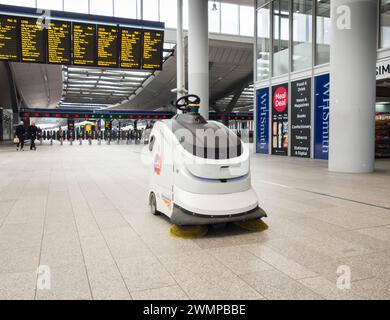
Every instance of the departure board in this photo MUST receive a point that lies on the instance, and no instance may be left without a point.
(131, 48)
(84, 44)
(58, 42)
(33, 41)
(9, 38)
(63, 40)
(107, 46)
(152, 50)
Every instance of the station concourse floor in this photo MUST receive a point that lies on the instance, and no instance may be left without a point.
(82, 211)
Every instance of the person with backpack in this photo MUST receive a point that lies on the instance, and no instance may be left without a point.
(19, 134)
(32, 132)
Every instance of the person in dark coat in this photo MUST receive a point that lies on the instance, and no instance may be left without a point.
(19, 132)
(32, 133)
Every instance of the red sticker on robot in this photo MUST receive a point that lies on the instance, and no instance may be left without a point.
(280, 99)
(157, 164)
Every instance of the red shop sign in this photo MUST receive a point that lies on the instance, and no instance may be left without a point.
(280, 99)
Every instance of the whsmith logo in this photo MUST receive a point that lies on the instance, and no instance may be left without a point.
(383, 70)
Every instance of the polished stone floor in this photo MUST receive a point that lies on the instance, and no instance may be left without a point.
(82, 212)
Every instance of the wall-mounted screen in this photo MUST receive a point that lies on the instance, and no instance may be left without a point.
(81, 42)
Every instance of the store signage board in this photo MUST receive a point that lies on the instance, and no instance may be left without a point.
(262, 121)
(321, 115)
(67, 40)
(383, 69)
(301, 118)
(280, 130)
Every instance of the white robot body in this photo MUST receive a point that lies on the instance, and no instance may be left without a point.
(206, 189)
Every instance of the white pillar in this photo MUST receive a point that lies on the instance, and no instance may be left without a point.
(353, 85)
(180, 51)
(198, 53)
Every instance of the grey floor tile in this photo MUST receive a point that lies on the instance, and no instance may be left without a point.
(66, 283)
(328, 290)
(239, 260)
(166, 293)
(374, 288)
(99, 194)
(17, 286)
(273, 285)
(25, 259)
(279, 262)
(144, 273)
(106, 282)
(381, 233)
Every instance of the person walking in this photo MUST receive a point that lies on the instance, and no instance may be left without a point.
(32, 132)
(19, 132)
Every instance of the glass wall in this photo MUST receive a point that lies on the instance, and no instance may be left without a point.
(214, 16)
(229, 18)
(101, 7)
(323, 25)
(125, 9)
(21, 3)
(281, 15)
(151, 10)
(168, 13)
(247, 21)
(292, 23)
(302, 34)
(385, 24)
(81, 6)
(50, 4)
(263, 42)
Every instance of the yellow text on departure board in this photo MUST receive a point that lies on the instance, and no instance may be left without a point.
(107, 46)
(152, 50)
(9, 39)
(84, 44)
(32, 40)
(131, 48)
(58, 39)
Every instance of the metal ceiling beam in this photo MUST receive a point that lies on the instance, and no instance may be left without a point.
(244, 82)
(13, 91)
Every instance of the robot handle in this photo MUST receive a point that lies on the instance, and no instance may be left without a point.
(184, 102)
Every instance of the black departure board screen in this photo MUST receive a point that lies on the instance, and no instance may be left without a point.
(84, 41)
(9, 38)
(131, 48)
(107, 46)
(153, 50)
(58, 42)
(33, 40)
(84, 44)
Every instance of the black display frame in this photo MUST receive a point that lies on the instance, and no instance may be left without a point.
(140, 53)
(78, 18)
(45, 49)
(18, 40)
(70, 45)
(118, 45)
(160, 53)
(94, 64)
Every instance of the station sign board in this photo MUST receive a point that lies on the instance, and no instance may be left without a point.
(262, 121)
(321, 116)
(301, 118)
(280, 120)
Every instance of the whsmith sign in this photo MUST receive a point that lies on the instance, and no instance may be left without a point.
(383, 69)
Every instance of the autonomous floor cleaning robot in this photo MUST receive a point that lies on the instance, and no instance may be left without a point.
(200, 171)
